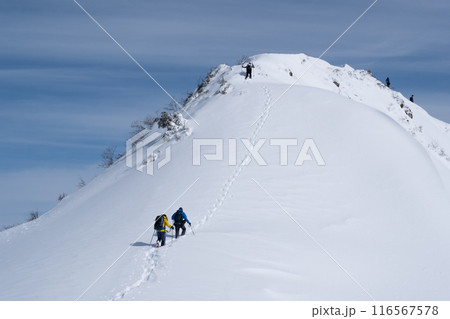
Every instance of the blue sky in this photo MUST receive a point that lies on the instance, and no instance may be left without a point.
(67, 91)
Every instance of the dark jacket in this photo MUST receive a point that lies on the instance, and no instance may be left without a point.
(183, 216)
(249, 67)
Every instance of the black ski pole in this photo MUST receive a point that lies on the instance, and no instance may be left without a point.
(192, 229)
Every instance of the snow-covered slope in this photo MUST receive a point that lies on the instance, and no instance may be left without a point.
(371, 223)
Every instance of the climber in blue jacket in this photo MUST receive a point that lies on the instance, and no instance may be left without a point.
(180, 218)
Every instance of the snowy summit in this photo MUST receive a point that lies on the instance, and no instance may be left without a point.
(363, 217)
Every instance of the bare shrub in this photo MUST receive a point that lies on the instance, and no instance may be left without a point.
(33, 215)
(173, 107)
(137, 126)
(108, 157)
(10, 226)
(81, 183)
(149, 121)
(243, 59)
(62, 196)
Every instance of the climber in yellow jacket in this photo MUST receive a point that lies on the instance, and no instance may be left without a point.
(161, 222)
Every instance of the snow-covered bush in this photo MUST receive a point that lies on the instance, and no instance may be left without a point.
(201, 86)
(169, 121)
(406, 109)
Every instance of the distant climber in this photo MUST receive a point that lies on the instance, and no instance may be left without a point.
(179, 219)
(388, 82)
(248, 68)
(412, 98)
(161, 222)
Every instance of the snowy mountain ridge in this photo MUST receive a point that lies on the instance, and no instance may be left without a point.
(379, 206)
(357, 85)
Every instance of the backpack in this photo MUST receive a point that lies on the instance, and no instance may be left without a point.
(178, 218)
(159, 222)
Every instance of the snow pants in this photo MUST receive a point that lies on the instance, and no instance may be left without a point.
(161, 237)
(177, 229)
